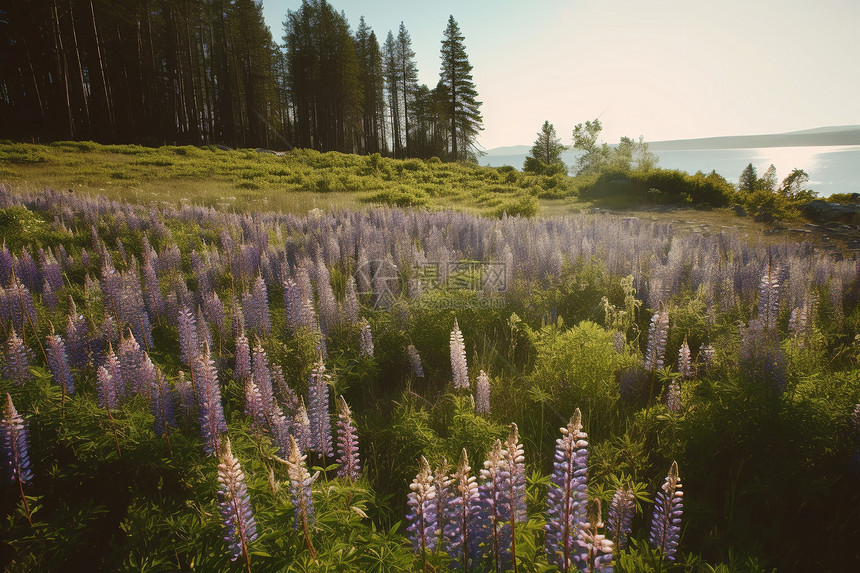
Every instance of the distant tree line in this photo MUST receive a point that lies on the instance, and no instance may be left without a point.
(209, 72)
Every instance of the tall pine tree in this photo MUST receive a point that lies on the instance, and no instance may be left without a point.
(460, 94)
(408, 77)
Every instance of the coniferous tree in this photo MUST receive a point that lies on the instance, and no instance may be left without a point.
(456, 84)
(545, 154)
(391, 73)
(748, 180)
(408, 77)
(370, 75)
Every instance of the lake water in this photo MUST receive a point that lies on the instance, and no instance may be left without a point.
(831, 169)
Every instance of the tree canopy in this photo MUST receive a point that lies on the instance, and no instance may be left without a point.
(460, 94)
(545, 154)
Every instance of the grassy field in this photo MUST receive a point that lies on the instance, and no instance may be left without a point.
(249, 180)
(302, 180)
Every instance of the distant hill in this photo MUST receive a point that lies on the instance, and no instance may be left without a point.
(821, 136)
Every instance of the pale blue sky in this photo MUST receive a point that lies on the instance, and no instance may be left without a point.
(664, 69)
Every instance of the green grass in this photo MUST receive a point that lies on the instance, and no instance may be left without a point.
(246, 180)
(302, 180)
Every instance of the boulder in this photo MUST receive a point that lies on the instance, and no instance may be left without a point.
(824, 212)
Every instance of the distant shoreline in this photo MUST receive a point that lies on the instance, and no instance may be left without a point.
(818, 137)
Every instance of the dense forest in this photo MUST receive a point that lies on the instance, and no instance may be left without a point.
(210, 72)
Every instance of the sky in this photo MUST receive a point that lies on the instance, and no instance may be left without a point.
(662, 69)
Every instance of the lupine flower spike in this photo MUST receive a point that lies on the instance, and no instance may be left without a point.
(495, 492)
(366, 348)
(460, 514)
(16, 366)
(596, 546)
(422, 517)
(515, 458)
(59, 363)
(482, 388)
(347, 444)
(621, 511)
(442, 483)
(240, 529)
(415, 361)
(459, 369)
(685, 365)
(567, 497)
(15, 450)
(300, 492)
(673, 397)
(668, 508)
(657, 334)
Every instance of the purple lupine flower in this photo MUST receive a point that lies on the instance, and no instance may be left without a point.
(213, 310)
(673, 397)
(279, 427)
(685, 365)
(212, 422)
(15, 445)
(769, 297)
(668, 509)
(254, 408)
(59, 362)
(185, 395)
(301, 427)
(106, 388)
(237, 318)
(300, 487)
(110, 394)
(154, 300)
(6, 264)
(421, 515)
(137, 374)
(349, 466)
(459, 370)
(16, 363)
(496, 504)
(262, 375)
(415, 361)
(161, 405)
(77, 341)
(256, 308)
(462, 511)
(51, 271)
(567, 497)
(327, 301)
(351, 306)
(189, 345)
(242, 368)
(482, 391)
(292, 304)
(366, 340)
(657, 336)
(287, 395)
(442, 483)
(204, 335)
(515, 456)
(240, 529)
(595, 545)
(621, 512)
(20, 307)
(318, 412)
(49, 297)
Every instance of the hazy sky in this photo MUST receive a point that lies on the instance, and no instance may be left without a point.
(665, 69)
